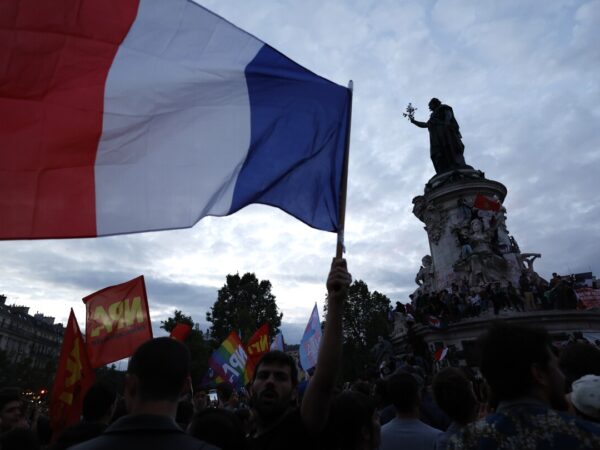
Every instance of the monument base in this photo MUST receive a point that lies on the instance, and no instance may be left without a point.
(468, 238)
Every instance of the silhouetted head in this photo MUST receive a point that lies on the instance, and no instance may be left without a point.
(404, 392)
(160, 368)
(454, 395)
(353, 422)
(579, 359)
(518, 361)
(98, 403)
(434, 103)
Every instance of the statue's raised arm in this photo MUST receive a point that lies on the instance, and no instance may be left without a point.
(446, 147)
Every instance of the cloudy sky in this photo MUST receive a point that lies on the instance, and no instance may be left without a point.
(522, 77)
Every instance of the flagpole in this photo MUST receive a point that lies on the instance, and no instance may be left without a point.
(344, 183)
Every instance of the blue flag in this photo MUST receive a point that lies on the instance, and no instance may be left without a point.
(309, 345)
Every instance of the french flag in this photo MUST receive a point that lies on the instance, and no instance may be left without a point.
(123, 116)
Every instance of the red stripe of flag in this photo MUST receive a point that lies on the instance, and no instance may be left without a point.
(54, 59)
(486, 203)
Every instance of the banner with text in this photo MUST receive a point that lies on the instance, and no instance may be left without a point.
(117, 321)
(590, 298)
(257, 346)
(229, 361)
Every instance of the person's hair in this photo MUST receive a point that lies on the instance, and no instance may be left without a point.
(507, 354)
(98, 402)
(9, 394)
(225, 391)
(280, 358)
(351, 411)
(403, 391)
(161, 365)
(579, 359)
(218, 427)
(454, 395)
(434, 102)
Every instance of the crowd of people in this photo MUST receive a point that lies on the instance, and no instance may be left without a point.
(464, 301)
(524, 396)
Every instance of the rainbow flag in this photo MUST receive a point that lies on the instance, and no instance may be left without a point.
(228, 362)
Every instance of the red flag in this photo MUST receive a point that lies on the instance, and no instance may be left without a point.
(74, 376)
(486, 203)
(258, 345)
(117, 321)
(181, 331)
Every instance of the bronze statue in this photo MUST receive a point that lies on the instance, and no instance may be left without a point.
(444, 137)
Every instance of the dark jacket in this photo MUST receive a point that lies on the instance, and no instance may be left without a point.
(144, 432)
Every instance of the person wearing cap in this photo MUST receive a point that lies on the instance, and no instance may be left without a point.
(585, 397)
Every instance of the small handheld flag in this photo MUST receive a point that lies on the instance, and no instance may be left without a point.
(309, 345)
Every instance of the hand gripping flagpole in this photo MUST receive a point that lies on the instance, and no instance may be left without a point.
(344, 182)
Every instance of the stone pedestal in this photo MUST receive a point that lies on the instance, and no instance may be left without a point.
(466, 243)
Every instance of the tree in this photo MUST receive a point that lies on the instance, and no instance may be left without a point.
(243, 304)
(200, 348)
(365, 319)
(178, 317)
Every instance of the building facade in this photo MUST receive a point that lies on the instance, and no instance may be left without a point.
(24, 337)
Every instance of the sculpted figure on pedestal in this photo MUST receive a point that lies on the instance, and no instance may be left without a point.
(527, 260)
(433, 217)
(503, 236)
(482, 264)
(446, 147)
(435, 220)
(419, 207)
(424, 277)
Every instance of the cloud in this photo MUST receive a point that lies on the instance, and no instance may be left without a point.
(521, 76)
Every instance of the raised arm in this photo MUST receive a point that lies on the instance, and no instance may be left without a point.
(419, 124)
(319, 393)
